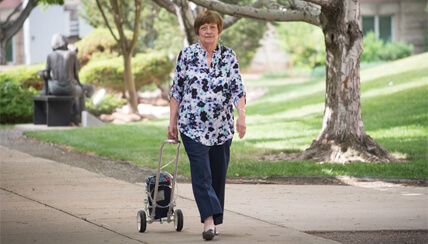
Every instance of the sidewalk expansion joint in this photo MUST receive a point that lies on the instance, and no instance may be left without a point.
(72, 215)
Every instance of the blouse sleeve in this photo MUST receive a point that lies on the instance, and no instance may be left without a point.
(177, 88)
(236, 86)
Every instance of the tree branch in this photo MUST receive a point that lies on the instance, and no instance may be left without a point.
(230, 20)
(10, 30)
(136, 25)
(167, 4)
(262, 14)
(16, 10)
(186, 20)
(273, 5)
(320, 2)
(105, 20)
(118, 20)
(305, 6)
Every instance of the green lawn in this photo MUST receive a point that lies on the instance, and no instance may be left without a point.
(394, 108)
(6, 126)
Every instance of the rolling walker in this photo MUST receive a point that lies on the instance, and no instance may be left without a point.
(161, 186)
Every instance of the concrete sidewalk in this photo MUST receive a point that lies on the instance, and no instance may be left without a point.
(48, 202)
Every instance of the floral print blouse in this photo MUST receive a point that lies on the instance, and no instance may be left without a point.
(206, 95)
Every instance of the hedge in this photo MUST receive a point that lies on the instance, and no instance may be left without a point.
(26, 76)
(99, 44)
(147, 68)
(16, 88)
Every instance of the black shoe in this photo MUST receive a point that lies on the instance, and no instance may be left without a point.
(208, 235)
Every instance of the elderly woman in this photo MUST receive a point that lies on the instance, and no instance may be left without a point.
(207, 85)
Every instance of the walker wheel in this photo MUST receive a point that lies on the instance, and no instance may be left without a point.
(141, 221)
(178, 220)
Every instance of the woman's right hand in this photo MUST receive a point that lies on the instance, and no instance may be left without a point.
(173, 118)
(172, 132)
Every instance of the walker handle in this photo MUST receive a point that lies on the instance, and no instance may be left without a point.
(173, 141)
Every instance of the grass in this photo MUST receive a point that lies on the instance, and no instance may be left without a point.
(394, 108)
(6, 126)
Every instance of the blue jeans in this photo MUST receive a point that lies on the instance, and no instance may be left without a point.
(208, 168)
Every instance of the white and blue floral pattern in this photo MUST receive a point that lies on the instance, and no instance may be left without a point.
(206, 95)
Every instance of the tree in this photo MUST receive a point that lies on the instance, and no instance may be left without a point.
(91, 14)
(186, 16)
(342, 137)
(119, 12)
(9, 27)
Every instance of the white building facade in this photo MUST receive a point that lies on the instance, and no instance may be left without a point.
(32, 43)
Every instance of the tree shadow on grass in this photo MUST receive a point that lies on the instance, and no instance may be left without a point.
(272, 107)
(401, 78)
(387, 115)
(404, 108)
(398, 119)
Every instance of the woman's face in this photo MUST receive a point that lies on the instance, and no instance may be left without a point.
(208, 33)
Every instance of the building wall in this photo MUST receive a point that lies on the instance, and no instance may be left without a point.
(39, 28)
(42, 24)
(410, 21)
(18, 51)
(414, 24)
(6, 8)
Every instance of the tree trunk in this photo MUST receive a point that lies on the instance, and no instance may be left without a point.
(186, 20)
(8, 30)
(130, 92)
(3, 51)
(342, 138)
(126, 47)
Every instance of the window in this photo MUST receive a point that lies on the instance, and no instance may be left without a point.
(9, 51)
(385, 28)
(382, 26)
(368, 25)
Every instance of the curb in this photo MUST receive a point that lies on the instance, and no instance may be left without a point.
(325, 180)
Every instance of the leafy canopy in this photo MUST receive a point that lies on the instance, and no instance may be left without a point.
(149, 12)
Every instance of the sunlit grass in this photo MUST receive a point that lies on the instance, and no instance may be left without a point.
(394, 106)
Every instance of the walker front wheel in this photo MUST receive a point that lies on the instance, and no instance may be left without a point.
(141, 221)
(178, 220)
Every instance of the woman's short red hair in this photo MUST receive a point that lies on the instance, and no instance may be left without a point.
(208, 17)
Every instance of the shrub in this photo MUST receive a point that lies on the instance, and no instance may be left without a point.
(104, 73)
(16, 88)
(147, 68)
(99, 44)
(26, 76)
(371, 48)
(16, 105)
(377, 50)
(395, 50)
(303, 42)
(106, 105)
